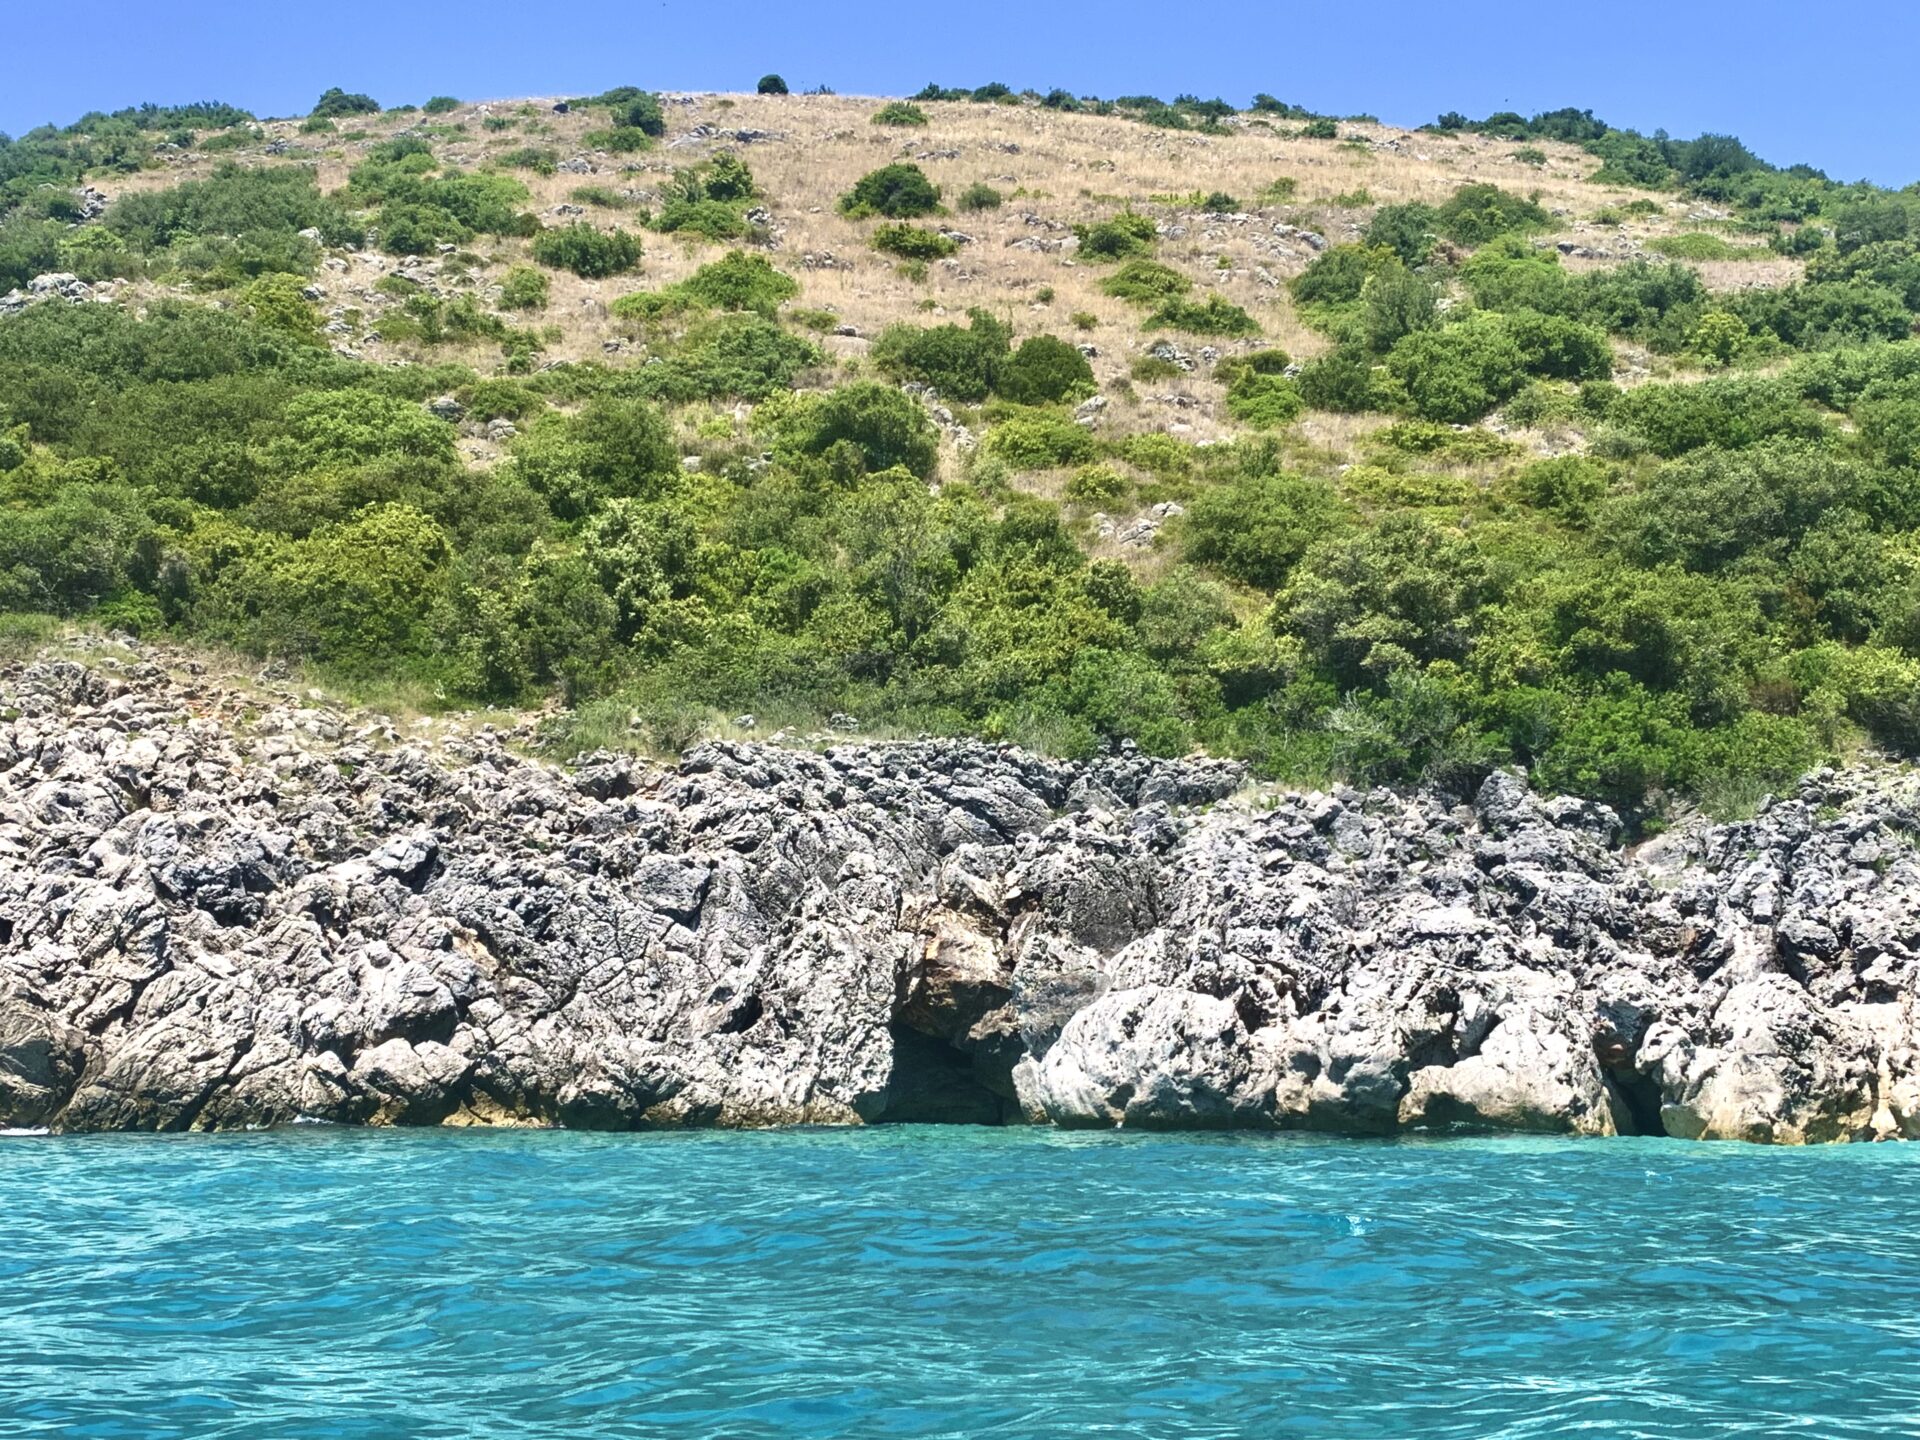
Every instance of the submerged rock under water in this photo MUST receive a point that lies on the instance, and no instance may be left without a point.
(214, 916)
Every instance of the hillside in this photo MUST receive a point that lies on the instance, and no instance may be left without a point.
(1346, 450)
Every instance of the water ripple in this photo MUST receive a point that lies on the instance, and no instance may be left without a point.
(952, 1283)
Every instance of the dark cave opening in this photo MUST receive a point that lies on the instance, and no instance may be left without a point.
(1637, 1101)
(935, 1083)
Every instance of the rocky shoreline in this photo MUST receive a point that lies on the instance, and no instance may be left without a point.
(221, 909)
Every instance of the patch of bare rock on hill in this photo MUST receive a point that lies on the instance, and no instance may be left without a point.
(209, 921)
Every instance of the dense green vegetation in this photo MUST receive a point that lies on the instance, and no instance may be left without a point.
(1716, 587)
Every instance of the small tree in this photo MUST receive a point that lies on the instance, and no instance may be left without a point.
(897, 191)
(771, 85)
(589, 253)
(1719, 336)
(337, 102)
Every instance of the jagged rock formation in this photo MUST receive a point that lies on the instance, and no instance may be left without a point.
(211, 917)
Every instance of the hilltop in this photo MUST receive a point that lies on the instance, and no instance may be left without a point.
(1347, 450)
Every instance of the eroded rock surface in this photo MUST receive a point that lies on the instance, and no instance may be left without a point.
(221, 910)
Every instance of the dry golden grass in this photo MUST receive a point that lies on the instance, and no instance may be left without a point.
(1057, 170)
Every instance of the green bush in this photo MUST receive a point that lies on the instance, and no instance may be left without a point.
(1256, 528)
(615, 447)
(619, 140)
(1730, 413)
(713, 219)
(1259, 392)
(737, 356)
(958, 363)
(980, 196)
(635, 110)
(1145, 282)
(336, 103)
(524, 288)
(1341, 380)
(900, 112)
(1212, 316)
(1038, 440)
(1120, 238)
(874, 425)
(913, 242)
(1568, 487)
(1459, 372)
(1475, 214)
(537, 158)
(1337, 276)
(771, 85)
(739, 281)
(440, 105)
(589, 253)
(1696, 245)
(899, 192)
(1044, 371)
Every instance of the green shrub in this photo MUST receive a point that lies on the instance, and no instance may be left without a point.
(633, 109)
(336, 102)
(958, 363)
(619, 140)
(725, 178)
(1097, 485)
(980, 196)
(539, 159)
(275, 302)
(1459, 372)
(1394, 303)
(1443, 443)
(899, 192)
(1557, 348)
(734, 356)
(1120, 238)
(1044, 371)
(1476, 214)
(913, 242)
(1145, 282)
(1337, 276)
(524, 288)
(1256, 528)
(874, 425)
(440, 105)
(1341, 380)
(1728, 414)
(1264, 402)
(713, 219)
(1213, 316)
(1321, 127)
(771, 85)
(1039, 440)
(739, 281)
(1568, 487)
(1696, 245)
(589, 253)
(900, 112)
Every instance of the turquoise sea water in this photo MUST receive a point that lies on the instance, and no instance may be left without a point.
(952, 1282)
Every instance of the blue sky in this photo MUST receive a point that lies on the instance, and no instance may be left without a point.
(1833, 94)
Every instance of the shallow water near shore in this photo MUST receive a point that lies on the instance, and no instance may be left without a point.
(952, 1282)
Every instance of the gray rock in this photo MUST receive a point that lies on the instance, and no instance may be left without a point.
(203, 927)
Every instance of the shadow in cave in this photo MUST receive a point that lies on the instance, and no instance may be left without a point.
(1636, 1109)
(934, 1083)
